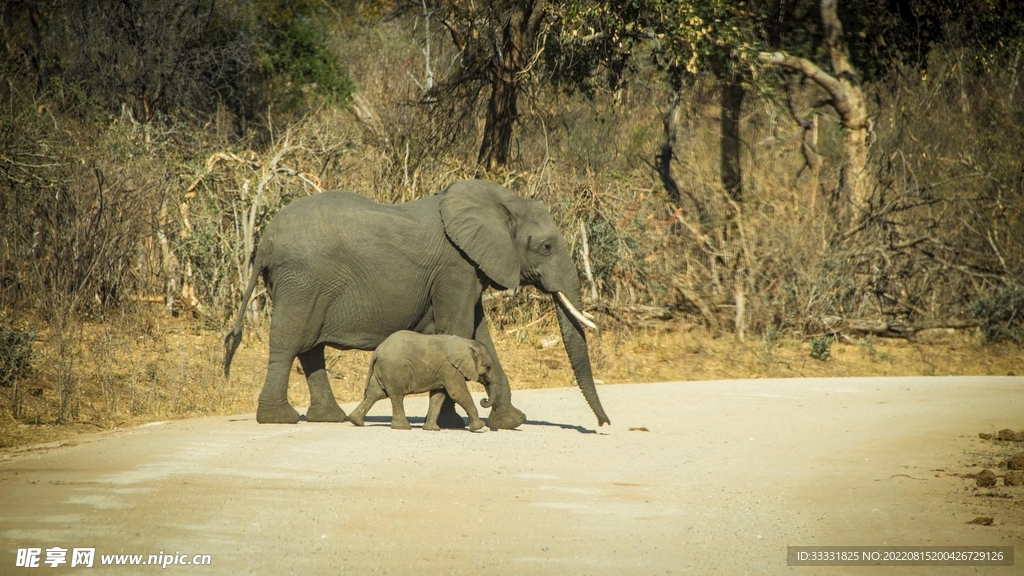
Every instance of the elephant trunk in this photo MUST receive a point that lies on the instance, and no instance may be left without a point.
(503, 414)
(485, 379)
(576, 347)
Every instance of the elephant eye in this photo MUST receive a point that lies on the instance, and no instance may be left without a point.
(545, 248)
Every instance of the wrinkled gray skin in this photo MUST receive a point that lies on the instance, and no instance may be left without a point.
(346, 272)
(409, 363)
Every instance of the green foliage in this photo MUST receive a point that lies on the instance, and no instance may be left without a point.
(184, 58)
(909, 30)
(16, 359)
(689, 37)
(16, 355)
(295, 47)
(1002, 316)
(148, 55)
(615, 252)
(686, 38)
(589, 48)
(820, 347)
(770, 341)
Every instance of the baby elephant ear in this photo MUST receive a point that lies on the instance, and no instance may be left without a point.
(477, 218)
(462, 355)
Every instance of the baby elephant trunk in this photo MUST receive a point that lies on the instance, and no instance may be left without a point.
(489, 401)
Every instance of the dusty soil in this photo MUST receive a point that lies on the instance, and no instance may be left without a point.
(691, 477)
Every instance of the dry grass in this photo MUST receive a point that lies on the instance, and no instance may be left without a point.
(156, 367)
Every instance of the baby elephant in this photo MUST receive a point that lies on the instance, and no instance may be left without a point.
(410, 362)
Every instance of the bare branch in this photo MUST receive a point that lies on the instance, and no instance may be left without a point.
(805, 67)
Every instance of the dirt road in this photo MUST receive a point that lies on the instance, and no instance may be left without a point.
(693, 477)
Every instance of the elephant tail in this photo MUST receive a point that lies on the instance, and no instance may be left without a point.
(234, 338)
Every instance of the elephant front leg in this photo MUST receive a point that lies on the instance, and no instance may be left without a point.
(398, 419)
(323, 407)
(448, 418)
(273, 404)
(503, 414)
(460, 393)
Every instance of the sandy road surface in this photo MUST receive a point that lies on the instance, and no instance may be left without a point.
(726, 476)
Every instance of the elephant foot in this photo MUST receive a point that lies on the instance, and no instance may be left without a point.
(476, 425)
(506, 418)
(277, 414)
(431, 427)
(356, 419)
(326, 413)
(402, 424)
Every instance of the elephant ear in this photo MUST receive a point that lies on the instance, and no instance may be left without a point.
(462, 355)
(477, 219)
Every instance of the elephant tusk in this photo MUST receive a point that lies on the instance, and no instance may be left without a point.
(572, 310)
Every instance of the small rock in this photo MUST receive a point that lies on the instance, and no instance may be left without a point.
(1016, 462)
(983, 521)
(984, 436)
(1014, 478)
(1007, 435)
(985, 478)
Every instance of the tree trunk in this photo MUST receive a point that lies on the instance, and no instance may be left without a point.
(731, 106)
(513, 59)
(857, 183)
(501, 114)
(663, 160)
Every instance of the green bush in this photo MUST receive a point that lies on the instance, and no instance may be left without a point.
(16, 355)
(820, 348)
(1001, 315)
(298, 49)
(184, 59)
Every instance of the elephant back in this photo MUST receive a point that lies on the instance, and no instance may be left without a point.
(338, 223)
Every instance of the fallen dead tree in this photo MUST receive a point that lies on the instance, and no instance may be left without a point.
(883, 329)
(636, 315)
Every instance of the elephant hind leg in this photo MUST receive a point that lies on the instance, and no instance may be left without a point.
(448, 418)
(374, 393)
(323, 406)
(273, 404)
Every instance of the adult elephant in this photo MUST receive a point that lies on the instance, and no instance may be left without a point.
(347, 272)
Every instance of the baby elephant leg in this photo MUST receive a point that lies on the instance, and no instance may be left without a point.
(374, 392)
(436, 400)
(459, 392)
(398, 419)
